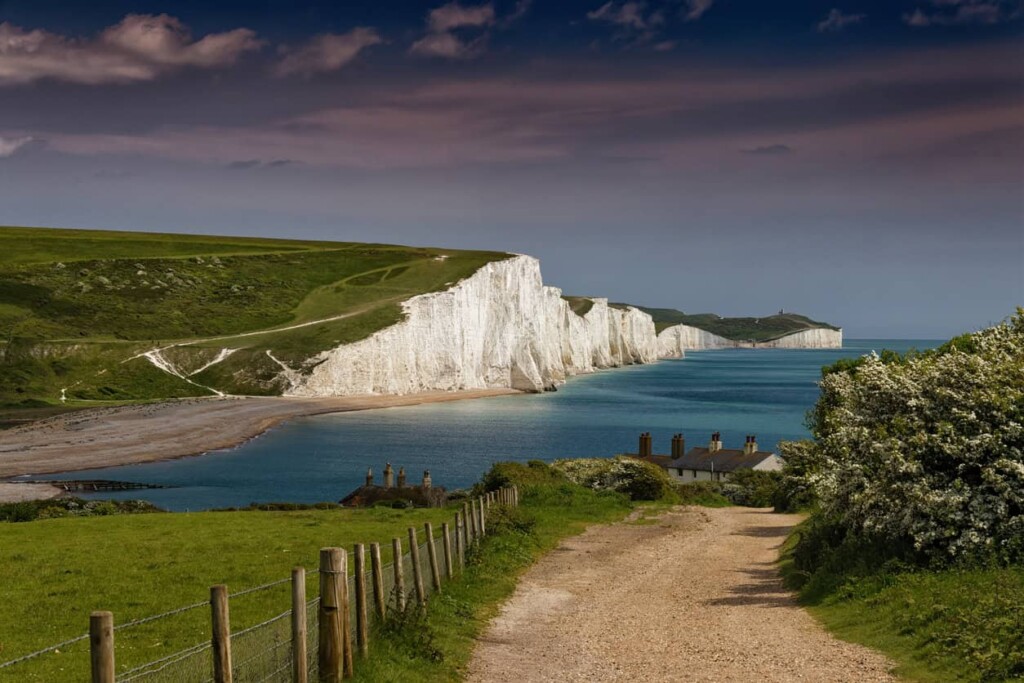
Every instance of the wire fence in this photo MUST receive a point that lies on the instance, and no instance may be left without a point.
(180, 645)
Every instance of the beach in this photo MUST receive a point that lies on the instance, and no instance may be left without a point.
(123, 435)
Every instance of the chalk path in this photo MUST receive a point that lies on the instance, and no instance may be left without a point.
(695, 596)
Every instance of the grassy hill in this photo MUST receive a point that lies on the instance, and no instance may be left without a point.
(78, 307)
(738, 329)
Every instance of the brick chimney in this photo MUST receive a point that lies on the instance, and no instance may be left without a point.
(678, 446)
(426, 479)
(646, 447)
(389, 476)
(750, 447)
(369, 476)
(401, 477)
(716, 443)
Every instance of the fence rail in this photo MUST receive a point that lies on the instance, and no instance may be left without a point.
(313, 640)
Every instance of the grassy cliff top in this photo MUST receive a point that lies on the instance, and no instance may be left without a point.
(85, 284)
(738, 329)
(77, 305)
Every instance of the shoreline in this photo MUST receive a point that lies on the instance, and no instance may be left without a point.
(128, 435)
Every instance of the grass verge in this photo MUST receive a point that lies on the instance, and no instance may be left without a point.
(938, 626)
(437, 645)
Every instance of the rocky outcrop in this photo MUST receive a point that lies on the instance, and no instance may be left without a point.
(499, 328)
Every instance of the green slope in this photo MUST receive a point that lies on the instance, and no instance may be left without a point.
(77, 305)
(738, 329)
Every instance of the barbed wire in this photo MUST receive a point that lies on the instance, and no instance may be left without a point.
(45, 650)
(147, 668)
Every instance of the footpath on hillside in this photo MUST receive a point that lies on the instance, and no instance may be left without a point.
(691, 595)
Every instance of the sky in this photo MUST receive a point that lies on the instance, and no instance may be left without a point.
(858, 161)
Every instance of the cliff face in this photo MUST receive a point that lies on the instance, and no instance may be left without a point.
(503, 328)
(499, 328)
(819, 338)
(673, 341)
(676, 340)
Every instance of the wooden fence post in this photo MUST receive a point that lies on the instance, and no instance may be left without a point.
(417, 570)
(459, 530)
(474, 530)
(346, 622)
(467, 521)
(446, 538)
(221, 634)
(300, 666)
(379, 599)
(483, 524)
(101, 646)
(362, 630)
(435, 571)
(396, 551)
(330, 653)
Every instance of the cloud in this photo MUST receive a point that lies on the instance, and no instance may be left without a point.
(246, 164)
(139, 48)
(443, 23)
(9, 146)
(327, 52)
(837, 21)
(448, 46)
(892, 101)
(628, 15)
(770, 150)
(695, 9)
(961, 12)
(453, 15)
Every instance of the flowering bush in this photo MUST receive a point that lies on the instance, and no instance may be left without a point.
(639, 480)
(928, 449)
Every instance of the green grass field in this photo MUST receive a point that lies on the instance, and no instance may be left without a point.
(56, 571)
(77, 305)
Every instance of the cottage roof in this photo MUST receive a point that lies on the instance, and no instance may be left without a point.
(660, 460)
(725, 460)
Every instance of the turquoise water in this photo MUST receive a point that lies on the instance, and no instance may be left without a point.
(737, 392)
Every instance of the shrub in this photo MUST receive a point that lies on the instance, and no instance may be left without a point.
(752, 488)
(703, 493)
(71, 507)
(635, 478)
(928, 451)
(532, 473)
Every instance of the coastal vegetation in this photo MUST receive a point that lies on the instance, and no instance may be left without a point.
(915, 544)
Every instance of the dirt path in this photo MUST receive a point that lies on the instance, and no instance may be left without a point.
(693, 596)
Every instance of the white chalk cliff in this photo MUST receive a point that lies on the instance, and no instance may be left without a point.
(499, 328)
(680, 338)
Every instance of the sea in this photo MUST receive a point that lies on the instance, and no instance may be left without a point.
(766, 392)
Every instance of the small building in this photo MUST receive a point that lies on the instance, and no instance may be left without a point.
(711, 463)
(422, 495)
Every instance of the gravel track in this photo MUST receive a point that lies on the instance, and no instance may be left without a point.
(692, 595)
